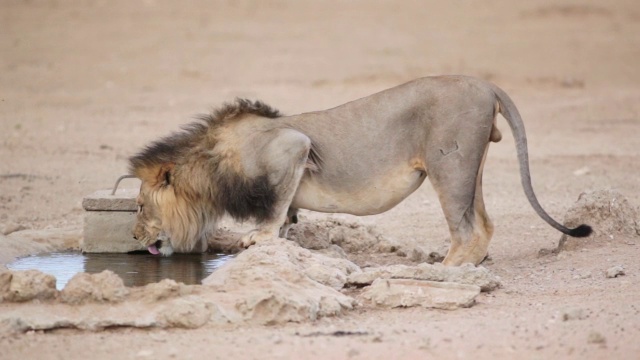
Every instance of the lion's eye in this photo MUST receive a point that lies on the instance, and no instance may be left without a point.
(139, 209)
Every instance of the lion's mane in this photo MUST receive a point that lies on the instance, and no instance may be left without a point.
(192, 185)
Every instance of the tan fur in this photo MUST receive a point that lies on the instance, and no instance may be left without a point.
(361, 158)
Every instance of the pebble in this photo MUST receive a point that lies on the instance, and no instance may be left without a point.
(596, 338)
(573, 314)
(615, 271)
(584, 275)
(144, 353)
(353, 352)
(582, 171)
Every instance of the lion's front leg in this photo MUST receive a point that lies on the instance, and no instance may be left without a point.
(284, 157)
(257, 236)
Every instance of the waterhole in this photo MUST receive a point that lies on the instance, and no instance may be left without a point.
(134, 269)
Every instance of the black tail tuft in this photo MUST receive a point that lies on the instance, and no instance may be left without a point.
(581, 231)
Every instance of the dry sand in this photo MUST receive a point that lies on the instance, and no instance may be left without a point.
(83, 85)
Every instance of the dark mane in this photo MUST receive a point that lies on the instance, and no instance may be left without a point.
(238, 108)
(172, 148)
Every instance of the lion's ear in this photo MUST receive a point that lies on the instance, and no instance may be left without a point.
(164, 174)
(156, 174)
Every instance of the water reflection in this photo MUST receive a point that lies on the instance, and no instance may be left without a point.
(134, 269)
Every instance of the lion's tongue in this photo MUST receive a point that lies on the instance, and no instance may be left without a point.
(153, 249)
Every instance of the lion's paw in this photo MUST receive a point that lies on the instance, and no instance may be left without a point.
(255, 237)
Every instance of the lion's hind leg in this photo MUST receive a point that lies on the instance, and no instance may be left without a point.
(284, 160)
(457, 178)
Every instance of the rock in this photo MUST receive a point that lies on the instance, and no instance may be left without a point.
(278, 281)
(360, 238)
(189, 312)
(11, 325)
(11, 227)
(103, 287)
(596, 338)
(609, 214)
(164, 289)
(582, 275)
(5, 285)
(466, 274)
(144, 354)
(225, 241)
(334, 251)
(614, 271)
(428, 294)
(19, 286)
(334, 278)
(573, 314)
(270, 284)
(419, 255)
(312, 235)
(352, 237)
(369, 275)
(582, 171)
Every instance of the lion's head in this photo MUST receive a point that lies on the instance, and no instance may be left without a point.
(187, 186)
(175, 210)
(153, 202)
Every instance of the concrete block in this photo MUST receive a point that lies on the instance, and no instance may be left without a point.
(109, 220)
(102, 200)
(109, 232)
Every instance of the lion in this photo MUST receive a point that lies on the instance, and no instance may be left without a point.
(249, 161)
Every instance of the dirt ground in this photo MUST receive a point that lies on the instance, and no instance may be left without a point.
(83, 85)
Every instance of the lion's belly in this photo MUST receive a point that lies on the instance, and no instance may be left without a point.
(373, 196)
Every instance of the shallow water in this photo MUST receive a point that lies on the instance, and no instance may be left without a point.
(134, 269)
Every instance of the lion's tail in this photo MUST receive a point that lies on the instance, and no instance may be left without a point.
(508, 109)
